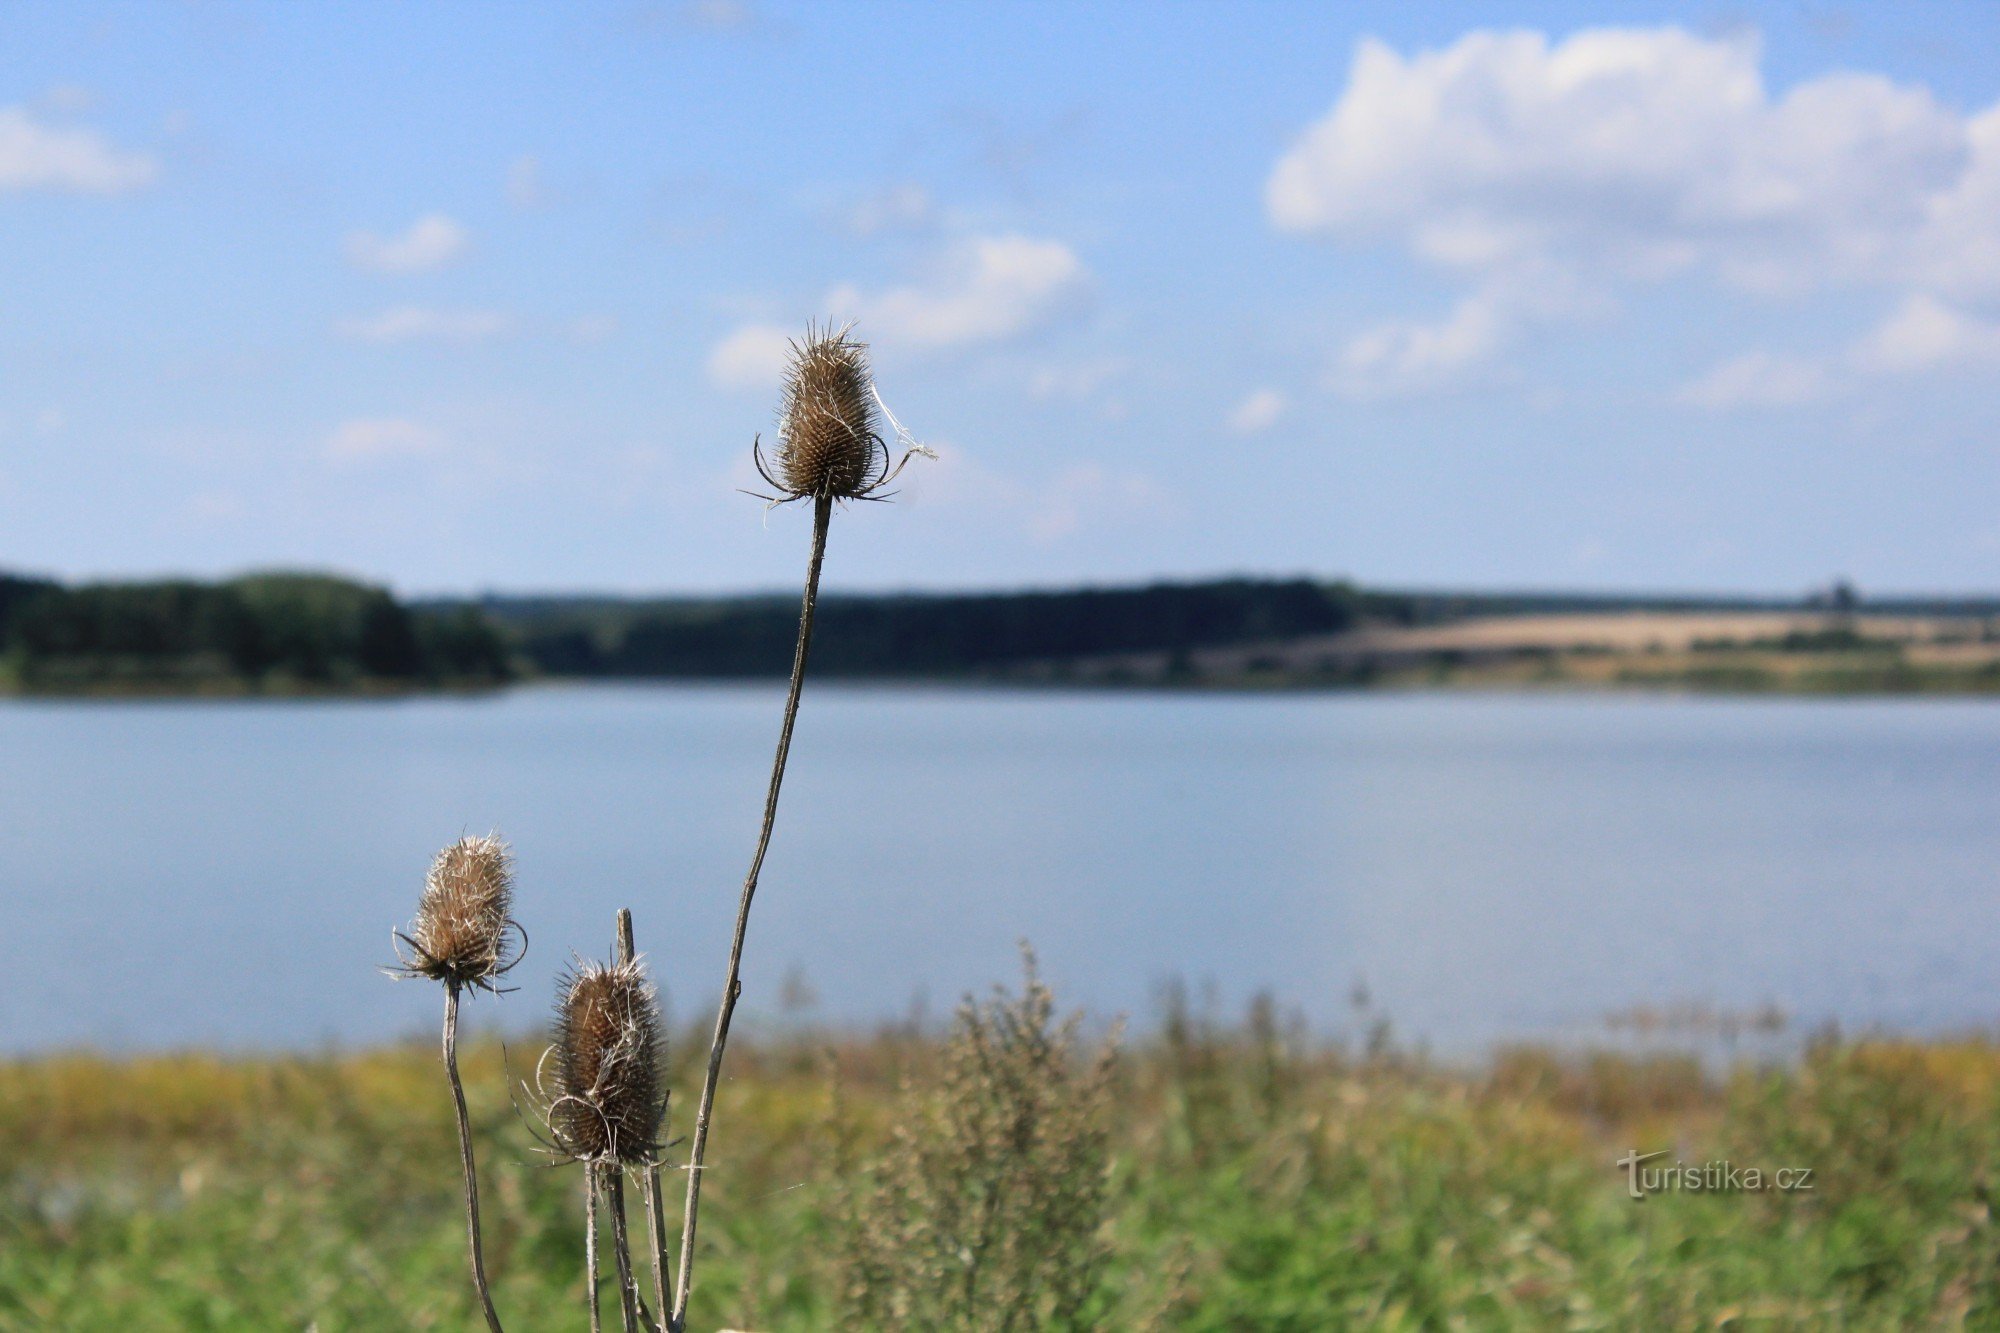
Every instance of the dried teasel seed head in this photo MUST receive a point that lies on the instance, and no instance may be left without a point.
(830, 442)
(602, 1087)
(464, 933)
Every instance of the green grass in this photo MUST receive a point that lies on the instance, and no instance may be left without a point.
(1252, 1188)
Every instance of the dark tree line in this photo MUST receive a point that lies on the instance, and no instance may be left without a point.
(947, 635)
(310, 630)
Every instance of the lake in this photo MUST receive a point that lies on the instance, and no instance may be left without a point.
(1490, 867)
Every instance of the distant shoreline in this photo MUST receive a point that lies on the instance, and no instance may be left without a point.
(308, 636)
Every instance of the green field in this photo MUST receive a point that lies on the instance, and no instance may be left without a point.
(1252, 1185)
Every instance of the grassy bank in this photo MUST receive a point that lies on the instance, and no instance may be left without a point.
(1254, 1185)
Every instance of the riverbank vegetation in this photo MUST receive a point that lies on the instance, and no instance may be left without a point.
(1253, 1179)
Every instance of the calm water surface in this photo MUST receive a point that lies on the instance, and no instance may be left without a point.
(1492, 867)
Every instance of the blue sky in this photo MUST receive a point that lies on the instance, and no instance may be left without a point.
(464, 297)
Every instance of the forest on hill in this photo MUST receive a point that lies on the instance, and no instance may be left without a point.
(920, 635)
(276, 633)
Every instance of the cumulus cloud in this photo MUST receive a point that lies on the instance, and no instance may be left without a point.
(431, 242)
(1413, 356)
(753, 357)
(1923, 335)
(1926, 334)
(410, 323)
(904, 207)
(1077, 379)
(1046, 509)
(367, 438)
(526, 187)
(1640, 152)
(1758, 379)
(1086, 494)
(991, 289)
(69, 159)
(1623, 157)
(1258, 412)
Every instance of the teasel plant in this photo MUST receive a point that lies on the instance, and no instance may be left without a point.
(600, 1096)
(465, 938)
(830, 450)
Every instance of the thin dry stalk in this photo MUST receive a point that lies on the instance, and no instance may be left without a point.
(650, 1182)
(590, 1243)
(621, 1249)
(656, 1216)
(732, 985)
(465, 1155)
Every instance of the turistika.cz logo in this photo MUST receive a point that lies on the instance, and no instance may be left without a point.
(1723, 1177)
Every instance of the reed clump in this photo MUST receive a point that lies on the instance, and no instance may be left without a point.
(987, 1208)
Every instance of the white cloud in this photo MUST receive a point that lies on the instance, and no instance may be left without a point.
(720, 15)
(525, 186)
(1759, 379)
(1077, 379)
(753, 357)
(992, 289)
(593, 328)
(904, 207)
(1406, 357)
(1926, 334)
(410, 323)
(70, 99)
(1640, 153)
(1258, 412)
(431, 242)
(1046, 509)
(1921, 335)
(1087, 493)
(36, 156)
(1616, 158)
(368, 438)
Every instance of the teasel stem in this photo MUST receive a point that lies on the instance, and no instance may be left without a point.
(656, 1217)
(465, 1155)
(650, 1182)
(732, 985)
(621, 1249)
(590, 1242)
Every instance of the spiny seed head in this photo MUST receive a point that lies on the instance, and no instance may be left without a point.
(602, 1082)
(828, 443)
(829, 436)
(464, 933)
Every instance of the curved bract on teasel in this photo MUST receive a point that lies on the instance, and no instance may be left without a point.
(830, 418)
(600, 1086)
(464, 933)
